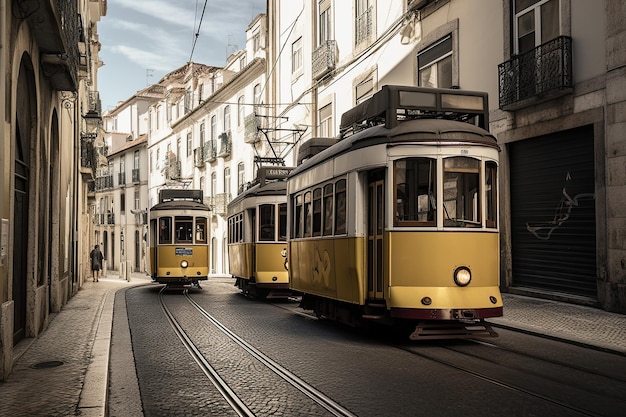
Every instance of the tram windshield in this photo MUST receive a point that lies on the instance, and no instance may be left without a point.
(415, 192)
(461, 198)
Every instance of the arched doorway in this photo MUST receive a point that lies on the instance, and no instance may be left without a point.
(25, 123)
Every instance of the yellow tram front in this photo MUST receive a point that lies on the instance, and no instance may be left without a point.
(179, 238)
(257, 237)
(398, 223)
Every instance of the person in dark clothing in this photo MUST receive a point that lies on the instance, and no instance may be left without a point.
(96, 262)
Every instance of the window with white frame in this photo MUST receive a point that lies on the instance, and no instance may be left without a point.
(227, 180)
(242, 63)
(226, 118)
(363, 25)
(324, 22)
(189, 143)
(240, 110)
(201, 134)
(434, 64)
(364, 90)
(326, 121)
(257, 93)
(179, 148)
(213, 183)
(213, 127)
(241, 174)
(296, 56)
(256, 41)
(536, 22)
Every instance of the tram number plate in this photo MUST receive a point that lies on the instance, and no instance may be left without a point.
(184, 251)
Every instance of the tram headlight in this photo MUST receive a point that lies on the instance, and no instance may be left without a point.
(462, 276)
(184, 264)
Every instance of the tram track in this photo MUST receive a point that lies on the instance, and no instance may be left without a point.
(441, 354)
(328, 404)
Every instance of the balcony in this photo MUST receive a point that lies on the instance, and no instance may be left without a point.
(251, 124)
(536, 76)
(121, 178)
(226, 144)
(210, 151)
(198, 157)
(135, 175)
(324, 59)
(88, 156)
(218, 203)
(104, 182)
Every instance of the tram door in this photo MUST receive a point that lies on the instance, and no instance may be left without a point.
(375, 228)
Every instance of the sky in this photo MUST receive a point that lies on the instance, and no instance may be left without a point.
(142, 40)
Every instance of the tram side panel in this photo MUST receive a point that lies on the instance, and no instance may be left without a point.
(331, 268)
(240, 260)
(270, 265)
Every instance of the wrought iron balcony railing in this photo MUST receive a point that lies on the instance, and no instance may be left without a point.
(251, 123)
(210, 151)
(226, 144)
(218, 203)
(121, 178)
(324, 59)
(538, 75)
(363, 26)
(135, 175)
(198, 157)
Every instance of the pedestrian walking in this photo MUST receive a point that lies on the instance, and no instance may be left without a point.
(95, 256)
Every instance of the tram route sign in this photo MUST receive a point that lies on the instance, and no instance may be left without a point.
(183, 251)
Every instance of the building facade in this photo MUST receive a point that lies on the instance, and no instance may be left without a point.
(51, 111)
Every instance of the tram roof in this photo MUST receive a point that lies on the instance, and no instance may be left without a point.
(278, 187)
(417, 131)
(180, 205)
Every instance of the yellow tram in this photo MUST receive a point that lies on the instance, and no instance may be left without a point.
(257, 236)
(179, 238)
(398, 221)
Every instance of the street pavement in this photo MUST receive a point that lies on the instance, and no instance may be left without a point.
(65, 371)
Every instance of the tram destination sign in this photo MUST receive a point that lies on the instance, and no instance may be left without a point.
(273, 173)
(183, 251)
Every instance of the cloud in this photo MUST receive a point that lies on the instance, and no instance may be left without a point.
(146, 59)
(166, 11)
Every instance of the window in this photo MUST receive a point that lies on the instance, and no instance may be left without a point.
(267, 222)
(226, 118)
(317, 212)
(434, 64)
(257, 94)
(201, 235)
(328, 209)
(240, 110)
(202, 134)
(415, 192)
(151, 160)
(364, 90)
(297, 218)
(122, 203)
(325, 22)
(200, 87)
(213, 127)
(326, 121)
(179, 145)
(296, 56)
(189, 143)
(136, 160)
(256, 41)
(241, 173)
(184, 229)
(137, 199)
(227, 180)
(122, 165)
(235, 228)
(491, 194)
(158, 117)
(242, 63)
(536, 22)
(165, 230)
(307, 214)
(340, 207)
(213, 183)
(363, 23)
(282, 221)
(461, 198)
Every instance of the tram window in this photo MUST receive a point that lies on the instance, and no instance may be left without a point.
(282, 221)
(165, 230)
(328, 209)
(307, 214)
(201, 230)
(297, 219)
(340, 207)
(415, 192)
(461, 200)
(317, 212)
(491, 196)
(184, 229)
(267, 222)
